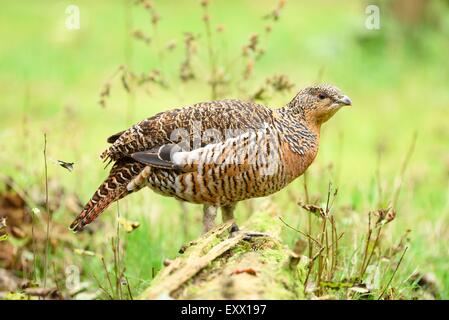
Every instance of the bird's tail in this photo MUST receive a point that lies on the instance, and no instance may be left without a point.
(112, 189)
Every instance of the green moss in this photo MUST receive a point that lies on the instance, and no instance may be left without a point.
(263, 222)
(289, 282)
(216, 240)
(281, 281)
(241, 248)
(18, 296)
(274, 255)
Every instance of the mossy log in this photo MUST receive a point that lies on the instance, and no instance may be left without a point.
(225, 265)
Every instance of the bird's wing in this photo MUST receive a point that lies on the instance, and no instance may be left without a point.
(160, 157)
(171, 126)
(255, 149)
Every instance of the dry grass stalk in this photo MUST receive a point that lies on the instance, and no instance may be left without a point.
(47, 235)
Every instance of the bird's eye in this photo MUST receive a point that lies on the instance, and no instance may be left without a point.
(322, 96)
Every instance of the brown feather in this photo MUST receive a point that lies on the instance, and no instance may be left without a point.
(112, 189)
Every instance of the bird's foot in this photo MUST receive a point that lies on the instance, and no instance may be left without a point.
(248, 235)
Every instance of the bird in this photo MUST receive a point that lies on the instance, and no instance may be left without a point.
(216, 153)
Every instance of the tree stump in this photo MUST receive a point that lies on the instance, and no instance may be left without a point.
(225, 265)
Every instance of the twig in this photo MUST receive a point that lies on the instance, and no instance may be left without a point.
(394, 273)
(320, 257)
(47, 237)
(33, 244)
(311, 262)
(324, 238)
(301, 232)
(117, 255)
(103, 288)
(107, 274)
(376, 242)
(309, 216)
(129, 288)
(365, 254)
(335, 247)
(55, 274)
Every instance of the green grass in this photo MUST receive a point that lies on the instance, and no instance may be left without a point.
(50, 79)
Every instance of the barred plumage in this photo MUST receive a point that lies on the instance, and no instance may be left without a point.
(216, 153)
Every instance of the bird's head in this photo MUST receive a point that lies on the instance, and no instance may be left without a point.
(318, 103)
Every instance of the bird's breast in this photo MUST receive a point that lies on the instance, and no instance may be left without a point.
(296, 163)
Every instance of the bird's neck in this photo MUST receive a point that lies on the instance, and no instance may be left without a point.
(298, 125)
(302, 138)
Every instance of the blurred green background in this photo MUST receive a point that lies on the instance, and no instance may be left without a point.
(397, 78)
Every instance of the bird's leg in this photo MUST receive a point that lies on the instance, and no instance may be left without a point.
(227, 212)
(209, 214)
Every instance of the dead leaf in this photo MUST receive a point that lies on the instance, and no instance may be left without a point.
(128, 225)
(336, 284)
(83, 252)
(8, 281)
(2, 223)
(17, 232)
(3, 237)
(427, 281)
(250, 271)
(51, 293)
(385, 216)
(359, 289)
(316, 210)
(300, 247)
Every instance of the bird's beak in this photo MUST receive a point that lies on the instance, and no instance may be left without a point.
(344, 101)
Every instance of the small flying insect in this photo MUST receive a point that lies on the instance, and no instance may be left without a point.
(66, 165)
